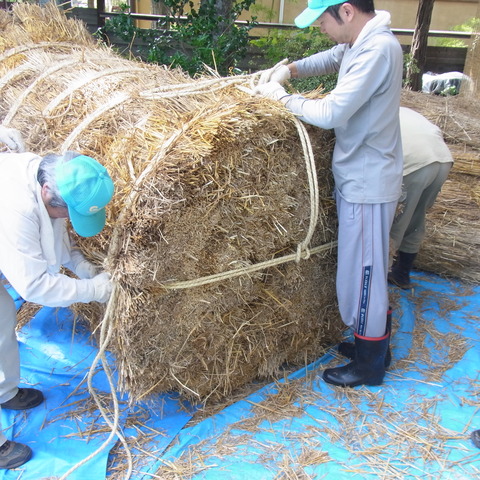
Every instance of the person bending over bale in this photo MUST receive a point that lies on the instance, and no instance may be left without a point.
(426, 164)
(367, 163)
(37, 196)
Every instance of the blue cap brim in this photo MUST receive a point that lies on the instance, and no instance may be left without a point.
(308, 16)
(87, 225)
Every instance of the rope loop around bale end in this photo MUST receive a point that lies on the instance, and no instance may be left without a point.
(303, 251)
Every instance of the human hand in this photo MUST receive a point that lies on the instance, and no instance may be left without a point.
(85, 269)
(271, 90)
(12, 138)
(103, 287)
(279, 73)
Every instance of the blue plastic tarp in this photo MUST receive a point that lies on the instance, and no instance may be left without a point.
(56, 355)
(416, 425)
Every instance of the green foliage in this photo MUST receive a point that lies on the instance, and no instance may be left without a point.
(450, 90)
(472, 25)
(122, 25)
(294, 45)
(264, 14)
(410, 70)
(205, 37)
(410, 63)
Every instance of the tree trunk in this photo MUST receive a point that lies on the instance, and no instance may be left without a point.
(418, 50)
(223, 9)
(472, 65)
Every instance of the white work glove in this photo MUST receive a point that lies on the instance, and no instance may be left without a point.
(103, 287)
(85, 269)
(12, 138)
(271, 90)
(279, 73)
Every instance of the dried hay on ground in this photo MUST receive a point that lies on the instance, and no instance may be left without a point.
(452, 242)
(208, 179)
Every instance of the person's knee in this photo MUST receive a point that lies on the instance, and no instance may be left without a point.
(8, 311)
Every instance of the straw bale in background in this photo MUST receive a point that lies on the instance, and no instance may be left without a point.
(205, 183)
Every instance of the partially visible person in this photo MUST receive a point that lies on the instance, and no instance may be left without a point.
(12, 138)
(367, 163)
(426, 164)
(475, 436)
(37, 196)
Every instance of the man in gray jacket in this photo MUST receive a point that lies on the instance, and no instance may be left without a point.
(367, 163)
(37, 196)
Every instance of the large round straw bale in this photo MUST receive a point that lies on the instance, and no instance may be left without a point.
(209, 180)
(452, 242)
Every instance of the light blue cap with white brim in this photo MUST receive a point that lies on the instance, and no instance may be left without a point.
(314, 9)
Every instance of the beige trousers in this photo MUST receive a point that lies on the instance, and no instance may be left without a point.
(9, 352)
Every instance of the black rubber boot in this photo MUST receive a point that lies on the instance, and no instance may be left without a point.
(13, 454)
(347, 349)
(401, 268)
(475, 436)
(368, 367)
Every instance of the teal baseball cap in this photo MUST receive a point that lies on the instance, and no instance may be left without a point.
(86, 187)
(314, 9)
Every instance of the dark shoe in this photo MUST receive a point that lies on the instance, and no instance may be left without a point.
(368, 367)
(13, 454)
(347, 349)
(475, 436)
(401, 268)
(24, 399)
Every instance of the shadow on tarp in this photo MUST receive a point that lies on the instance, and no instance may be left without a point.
(416, 425)
(56, 355)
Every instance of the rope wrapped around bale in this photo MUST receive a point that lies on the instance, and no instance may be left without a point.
(213, 185)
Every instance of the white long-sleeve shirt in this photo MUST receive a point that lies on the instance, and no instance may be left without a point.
(363, 111)
(422, 142)
(33, 246)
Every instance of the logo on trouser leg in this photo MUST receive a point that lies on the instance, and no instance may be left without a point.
(365, 298)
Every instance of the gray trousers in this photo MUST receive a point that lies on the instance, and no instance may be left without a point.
(363, 246)
(421, 188)
(9, 352)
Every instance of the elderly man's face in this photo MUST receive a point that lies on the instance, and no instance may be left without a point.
(57, 212)
(53, 212)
